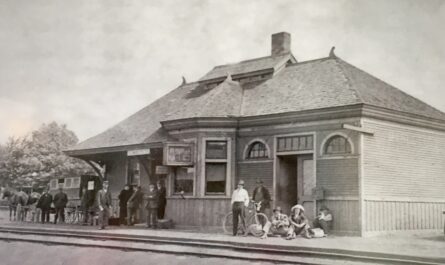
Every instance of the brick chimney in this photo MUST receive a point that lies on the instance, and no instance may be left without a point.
(280, 43)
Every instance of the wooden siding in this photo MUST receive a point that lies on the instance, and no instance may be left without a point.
(339, 177)
(401, 160)
(201, 212)
(403, 215)
(250, 172)
(345, 214)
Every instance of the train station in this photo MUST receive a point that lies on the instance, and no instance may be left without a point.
(318, 132)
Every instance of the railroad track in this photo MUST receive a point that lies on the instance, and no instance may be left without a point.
(207, 248)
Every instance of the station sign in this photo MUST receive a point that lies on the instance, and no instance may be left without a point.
(138, 152)
(178, 154)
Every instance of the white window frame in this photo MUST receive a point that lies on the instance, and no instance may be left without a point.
(228, 162)
(55, 186)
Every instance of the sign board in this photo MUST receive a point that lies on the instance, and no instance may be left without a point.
(91, 185)
(178, 154)
(161, 170)
(138, 152)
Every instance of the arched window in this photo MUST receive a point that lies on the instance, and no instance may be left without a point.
(257, 150)
(337, 145)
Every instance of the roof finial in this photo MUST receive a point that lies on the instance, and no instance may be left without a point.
(229, 77)
(183, 81)
(331, 53)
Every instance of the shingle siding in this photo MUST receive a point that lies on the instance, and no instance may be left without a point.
(403, 161)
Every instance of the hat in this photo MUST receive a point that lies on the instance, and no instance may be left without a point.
(105, 182)
(241, 182)
(278, 208)
(298, 206)
(259, 181)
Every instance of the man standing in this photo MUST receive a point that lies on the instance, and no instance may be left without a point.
(44, 204)
(240, 200)
(261, 195)
(162, 199)
(85, 205)
(152, 197)
(133, 205)
(104, 203)
(123, 199)
(60, 201)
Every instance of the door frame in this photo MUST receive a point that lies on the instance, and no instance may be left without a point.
(306, 152)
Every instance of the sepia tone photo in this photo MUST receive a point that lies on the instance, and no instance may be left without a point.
(222, 132)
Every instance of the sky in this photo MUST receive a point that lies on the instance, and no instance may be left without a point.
(92, 63)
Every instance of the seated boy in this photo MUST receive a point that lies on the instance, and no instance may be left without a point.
(279, 224)
(323, 219)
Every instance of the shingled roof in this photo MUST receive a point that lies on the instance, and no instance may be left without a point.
(310, 85)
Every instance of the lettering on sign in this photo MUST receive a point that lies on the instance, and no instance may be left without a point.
(178, 154)
(138, 152)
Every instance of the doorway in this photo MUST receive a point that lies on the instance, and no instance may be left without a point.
(295, 180)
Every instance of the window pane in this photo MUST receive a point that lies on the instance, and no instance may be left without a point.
(338, 145)
(183, 180)
(68, 183)
(257, 150)
(216, 149)
(76, 182)
(216, 177)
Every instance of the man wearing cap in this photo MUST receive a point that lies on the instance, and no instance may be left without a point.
(261, 195)
(240, 200)
(278, 224)
(104, 204)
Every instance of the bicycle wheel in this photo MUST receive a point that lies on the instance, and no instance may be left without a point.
(228, 225)
(256, 223)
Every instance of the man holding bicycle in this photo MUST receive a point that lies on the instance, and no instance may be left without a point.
(240, 200)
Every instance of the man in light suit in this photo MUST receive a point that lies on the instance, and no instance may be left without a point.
(104, 203)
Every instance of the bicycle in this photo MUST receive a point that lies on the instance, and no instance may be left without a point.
(254, 221)
(74, 215)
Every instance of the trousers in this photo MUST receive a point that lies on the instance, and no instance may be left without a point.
(238, 212)
(152, 217)
(45, 216)
(103, 217)
(60, 212)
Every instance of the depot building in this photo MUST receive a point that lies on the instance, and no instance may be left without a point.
(315, 132)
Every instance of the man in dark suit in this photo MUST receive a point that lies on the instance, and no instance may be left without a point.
(60, 201)
(261, 195)
(133, 205)
(44, 204)
(152, 197)
(104, 203)
(124, 196)
(162, 199)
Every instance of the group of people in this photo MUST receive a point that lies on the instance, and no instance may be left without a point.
(39, 205)
(280, 224)
(130, 201)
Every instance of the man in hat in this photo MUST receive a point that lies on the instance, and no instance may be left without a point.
(104, 204)
(298, 223)
(261, 195)
(152, 197)
(278, 224)
(60, 201)
(240, 200)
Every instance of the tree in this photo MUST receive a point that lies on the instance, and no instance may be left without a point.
(38, 157)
